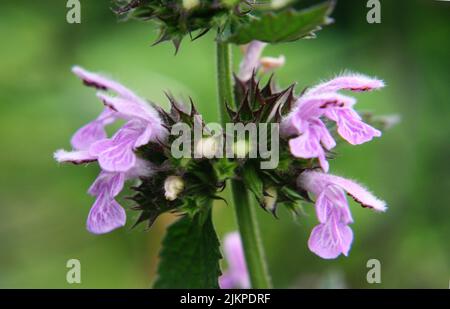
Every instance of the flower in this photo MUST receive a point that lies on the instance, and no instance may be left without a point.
(115, 155)
(311, 137)
(106, 214)
(252, 60)
(236, 277)
(333, 236)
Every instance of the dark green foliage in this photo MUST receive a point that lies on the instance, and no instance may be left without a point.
(281, 26)
(237, 21)
(190, 254)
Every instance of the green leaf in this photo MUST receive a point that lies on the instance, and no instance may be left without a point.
(283, 26)
(190, 255)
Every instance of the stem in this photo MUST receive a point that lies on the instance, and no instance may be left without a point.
(224, 81)
(245, 211)
(251, 241)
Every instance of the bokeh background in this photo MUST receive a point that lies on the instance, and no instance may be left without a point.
(44, 205)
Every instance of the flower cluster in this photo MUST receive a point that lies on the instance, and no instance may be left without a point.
(140, 149)
(309, 137)
(305, 127)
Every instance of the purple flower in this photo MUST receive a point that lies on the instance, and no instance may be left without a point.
(305, 122)
(106, 213)
(115, 155)
(236, 277)
(333, 236)
(93, 131)
(252, 60)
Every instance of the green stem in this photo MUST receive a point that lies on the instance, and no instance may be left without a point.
(224, 80)
(245, 210)
(251, 241)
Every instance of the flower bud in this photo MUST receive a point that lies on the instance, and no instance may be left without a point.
(271, 63)
(173, 186)
(190, 4)
(241, 148)
(270, 199)
(207, 147)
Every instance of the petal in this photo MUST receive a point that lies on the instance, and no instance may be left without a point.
(332, 203)
(106, 182)
(105, 215)
(331, 239)
(306, 146)
(129, 109)
(93, 131)
(353, 82)
(250, 62)
(145, 137)
(315, 105)
(226, 281)
(114, 156)
(324, 135)
(103, 83)
(337, 197)
(324, 162)
(117, 154)
(234, 255)
(309, 144)
(357, 132)
(359, 193)
(76, 157)
(87, 135)
(352, 129)
(323, 207)
(316, 182)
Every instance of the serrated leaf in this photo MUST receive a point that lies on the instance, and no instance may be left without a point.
(190, 255)
(284, 26)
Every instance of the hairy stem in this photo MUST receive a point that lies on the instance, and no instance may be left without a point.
(224, 81)
(245, 210)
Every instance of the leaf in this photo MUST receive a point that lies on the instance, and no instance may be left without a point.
(190, 255)
(284, 26)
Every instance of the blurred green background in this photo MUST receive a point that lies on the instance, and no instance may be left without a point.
(44, 206)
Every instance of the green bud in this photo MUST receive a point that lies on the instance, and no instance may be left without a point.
(270, 198)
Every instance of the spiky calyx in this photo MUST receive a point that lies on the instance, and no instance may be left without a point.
(204, 178)
(201, 181)
(236, 21)
(258, 104)
(177, 18)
